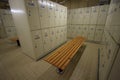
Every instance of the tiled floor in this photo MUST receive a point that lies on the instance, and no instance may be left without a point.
(14, 65)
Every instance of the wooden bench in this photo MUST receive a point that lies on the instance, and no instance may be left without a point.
(15, 39)
(62, 56)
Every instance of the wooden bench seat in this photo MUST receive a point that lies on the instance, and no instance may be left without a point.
(62, 56)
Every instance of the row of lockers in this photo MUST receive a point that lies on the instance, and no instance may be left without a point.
(88, 15)
(107, 55)
(111, 39)
(34, 18)
(45, 13)
(112, 23)
(47, 40)
(7, 23)
(6, 17)
(90, 32)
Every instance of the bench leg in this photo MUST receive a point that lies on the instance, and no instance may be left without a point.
(60, 71)
(18, 42)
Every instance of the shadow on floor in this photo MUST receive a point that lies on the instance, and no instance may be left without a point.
(51, 73)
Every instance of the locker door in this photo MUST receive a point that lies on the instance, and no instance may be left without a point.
(116, 14)
(33, 16)
(57, 36)
(46, 40)
(69, 18)
(80, 15)
(102, 14)
(65, 15)
(98, 34)
(65, 33)
(38, 43)
(69, 31)
(56, 11)
(94, 15)
(52, 38)
(85, 31)
(51, 13)
(91, 32)
(87, 16)
(43, 13)
(80, 30)
(73, 33)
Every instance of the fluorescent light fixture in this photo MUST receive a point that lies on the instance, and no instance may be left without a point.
(17, 11)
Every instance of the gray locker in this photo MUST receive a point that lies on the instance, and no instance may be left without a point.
(98, 34)
(91, 32)
(33, 15)
(46, 40)
(38, 43)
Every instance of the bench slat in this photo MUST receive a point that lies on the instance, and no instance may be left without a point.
(62, 53)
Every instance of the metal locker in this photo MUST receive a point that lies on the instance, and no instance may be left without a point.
(116, 14)
(57, 36)
(80, 30)
(65, 33)
(80, 15)
(87, 12)
(65, 15)
(91, 32)
(53, 38)
(51, 13)
(73, 14)
(69, 31)
(98, 34)
(33, 14)
(38, 43)
(46, 40)
(102, 14)
(85, 31)
(94, 14)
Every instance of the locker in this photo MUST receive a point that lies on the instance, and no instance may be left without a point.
(98, 34)
(115, 14)
(74, 31)
(102, 14)
(65, 34)
(85, 31)
(110, 15)
(38, 43)
(79, 30)
(46, 40)
(80, 15)
(73, 14)
(91, 32)
(43, 13)
(65, 15)
(57, 20)
(51, 13)
(94, 14)
(33, 16)
(87, 12)
(57, 36)
(53, 38)
(69, 31)
(43, 7)
(68, 18)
